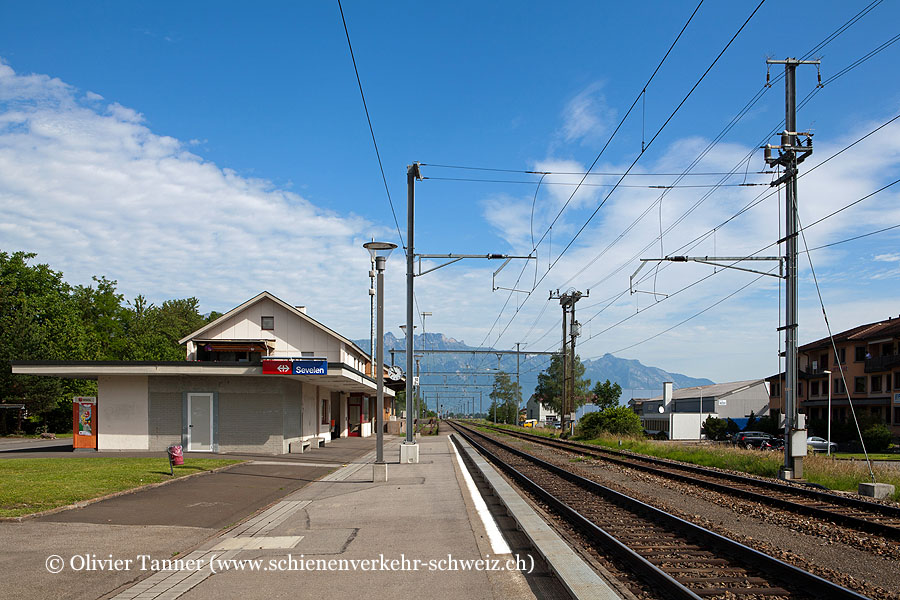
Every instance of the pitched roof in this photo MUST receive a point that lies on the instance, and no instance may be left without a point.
(264, 296)
(716, 390)
(886, 328)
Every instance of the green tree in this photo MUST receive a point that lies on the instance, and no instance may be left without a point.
(506, 396)
(38, 321)
(606, 394)
(715, 429)
(549, 389)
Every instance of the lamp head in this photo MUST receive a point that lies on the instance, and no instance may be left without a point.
(377, 249)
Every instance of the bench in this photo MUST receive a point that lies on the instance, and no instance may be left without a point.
(304, 445)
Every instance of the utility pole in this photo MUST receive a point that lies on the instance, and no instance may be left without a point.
(567, 302)
(518, 389)
(409, 450)
(791, 153)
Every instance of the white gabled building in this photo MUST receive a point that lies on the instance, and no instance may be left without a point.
(536, 410)
(264, 377)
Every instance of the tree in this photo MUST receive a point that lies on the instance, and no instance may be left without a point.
(506, 396)
(715, 429)
(38, 321)
(606, 394)
(44, 318)
(549, 389)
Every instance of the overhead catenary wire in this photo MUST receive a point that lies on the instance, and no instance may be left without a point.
(362, 95)
(821, 44)
(649, 143)
(801, 230)
(747, 107)
(652, 187)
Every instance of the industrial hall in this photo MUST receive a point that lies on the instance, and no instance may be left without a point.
(264, 377)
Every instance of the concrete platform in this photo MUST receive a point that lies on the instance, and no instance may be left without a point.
(295, 526)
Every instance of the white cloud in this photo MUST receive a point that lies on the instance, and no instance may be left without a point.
(587, 115)
(92, 190)
(892, 257)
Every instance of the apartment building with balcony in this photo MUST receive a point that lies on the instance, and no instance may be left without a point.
(868, 356)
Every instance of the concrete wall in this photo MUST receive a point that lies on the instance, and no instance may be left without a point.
(291, 414)
(310, 412)
(686, 426)
(251, 411)
(122, 406)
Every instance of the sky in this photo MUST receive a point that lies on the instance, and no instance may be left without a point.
(218, 150)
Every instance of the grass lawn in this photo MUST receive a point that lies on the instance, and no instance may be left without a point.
(861, 456)
(844, 475)
(835, 474)
(29, 485)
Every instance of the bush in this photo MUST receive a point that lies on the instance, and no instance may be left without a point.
(877, 437)
(620, 420)
(715, 429)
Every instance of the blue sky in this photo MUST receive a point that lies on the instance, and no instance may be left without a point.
(215, 150)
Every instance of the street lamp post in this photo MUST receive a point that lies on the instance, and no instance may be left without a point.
(380, 251)
(829, 414)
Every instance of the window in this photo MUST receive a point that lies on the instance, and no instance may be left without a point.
(267, 323)
(897, 415)
(841, 355)
(823, 361)
(876, 383)
(897, 380)
(324, 411)
(860, 354)
(775, 389)
(887, 349)
(839, 385)
(799, 389)
(859, 385)
(813, 388)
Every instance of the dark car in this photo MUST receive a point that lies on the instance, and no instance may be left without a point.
(757, 439)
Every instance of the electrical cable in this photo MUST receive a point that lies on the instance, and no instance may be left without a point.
(371, 129)
(834, 346)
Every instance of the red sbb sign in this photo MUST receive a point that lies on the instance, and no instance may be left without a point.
(277, 367)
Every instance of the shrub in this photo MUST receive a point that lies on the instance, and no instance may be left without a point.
(619, 420)
(877, 437)
(715, 429)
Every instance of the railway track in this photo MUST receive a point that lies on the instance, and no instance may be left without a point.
(861, 515)
(674, 556)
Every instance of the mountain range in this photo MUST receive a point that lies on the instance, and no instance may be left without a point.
(443, 375)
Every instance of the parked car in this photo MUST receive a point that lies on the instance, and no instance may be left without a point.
(757, 439)
(820, 444)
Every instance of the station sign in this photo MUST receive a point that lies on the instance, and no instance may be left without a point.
(277, 367)
(295, 366)
(311, 367)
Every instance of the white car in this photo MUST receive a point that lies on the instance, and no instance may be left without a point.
(820, 444)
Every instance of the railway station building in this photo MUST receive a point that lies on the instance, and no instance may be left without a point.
(265, 378)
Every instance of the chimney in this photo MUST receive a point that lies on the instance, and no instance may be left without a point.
(301, 309)
(667, 396)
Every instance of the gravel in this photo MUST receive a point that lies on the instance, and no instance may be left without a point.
(863, 562)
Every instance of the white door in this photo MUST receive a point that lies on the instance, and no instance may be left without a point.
(200, 426)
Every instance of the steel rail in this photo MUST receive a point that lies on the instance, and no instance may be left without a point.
(811, 584)
(661, 467)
